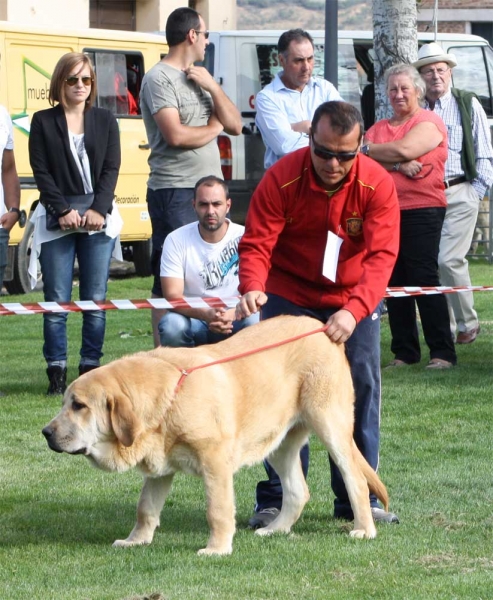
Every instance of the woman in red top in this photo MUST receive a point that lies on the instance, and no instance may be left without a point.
(412, 145)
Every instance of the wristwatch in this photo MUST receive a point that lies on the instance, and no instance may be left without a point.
(21, 214)
(396, 166)
(365, 149)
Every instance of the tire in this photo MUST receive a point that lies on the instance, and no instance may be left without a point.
(21, 281)
(141, 253)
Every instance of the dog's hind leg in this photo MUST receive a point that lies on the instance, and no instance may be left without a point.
(339, 442)
(295, 494)
(151, 502)
(218, 481)
(358, 492)
(328, 410)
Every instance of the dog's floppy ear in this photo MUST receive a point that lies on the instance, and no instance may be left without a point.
(124, 421)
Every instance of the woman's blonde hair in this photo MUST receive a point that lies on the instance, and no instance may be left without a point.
(63, 68)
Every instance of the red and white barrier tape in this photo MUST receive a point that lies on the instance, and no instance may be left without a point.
(17, 308)
(399, 292)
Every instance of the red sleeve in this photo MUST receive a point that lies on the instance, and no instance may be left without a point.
(264, 223)
(382, 231)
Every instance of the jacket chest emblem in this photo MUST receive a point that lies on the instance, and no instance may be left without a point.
(354, 225)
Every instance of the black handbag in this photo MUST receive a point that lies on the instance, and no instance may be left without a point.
(80, 203)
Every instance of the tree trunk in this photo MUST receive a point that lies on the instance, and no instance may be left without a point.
(395, 40)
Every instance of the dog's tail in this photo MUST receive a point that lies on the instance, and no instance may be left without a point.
(374, 482)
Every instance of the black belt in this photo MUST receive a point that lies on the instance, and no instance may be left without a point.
(450, 182)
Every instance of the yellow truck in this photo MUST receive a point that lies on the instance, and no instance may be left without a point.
(27, 58)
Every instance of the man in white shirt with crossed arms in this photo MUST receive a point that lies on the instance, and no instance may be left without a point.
(286, 106)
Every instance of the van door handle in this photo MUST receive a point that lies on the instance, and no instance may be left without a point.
(144, 146)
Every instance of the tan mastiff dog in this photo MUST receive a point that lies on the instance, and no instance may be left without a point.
(163, 411)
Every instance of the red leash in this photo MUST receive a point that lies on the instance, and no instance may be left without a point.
(185, 372)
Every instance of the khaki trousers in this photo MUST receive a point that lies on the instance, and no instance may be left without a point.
(457, 233)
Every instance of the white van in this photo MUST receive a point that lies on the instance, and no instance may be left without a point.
(245, 61)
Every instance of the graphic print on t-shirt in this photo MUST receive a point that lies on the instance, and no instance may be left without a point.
(220, 271)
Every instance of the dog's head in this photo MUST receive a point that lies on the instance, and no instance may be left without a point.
(94, 410)
(105, 410)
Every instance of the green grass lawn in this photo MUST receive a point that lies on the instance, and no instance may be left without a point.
(59, 516)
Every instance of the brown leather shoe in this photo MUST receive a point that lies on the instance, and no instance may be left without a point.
(468, 337)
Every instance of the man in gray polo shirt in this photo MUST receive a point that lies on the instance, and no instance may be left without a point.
(184, 110)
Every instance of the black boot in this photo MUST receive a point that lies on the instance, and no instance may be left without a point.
(58, 380)
(86, 368)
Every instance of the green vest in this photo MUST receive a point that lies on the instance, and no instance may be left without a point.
(468, 156)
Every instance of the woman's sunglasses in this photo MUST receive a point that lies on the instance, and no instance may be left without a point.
(71, 81)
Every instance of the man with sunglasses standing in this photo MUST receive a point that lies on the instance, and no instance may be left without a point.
(184, 110)
(285, 106)
(321, 239)
(468, 175)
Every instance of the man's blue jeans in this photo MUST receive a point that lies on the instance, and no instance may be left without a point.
(169, 208)
(93, 253)
(178, 331)
(363, 353)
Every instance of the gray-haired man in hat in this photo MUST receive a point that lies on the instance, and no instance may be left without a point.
(468, 175)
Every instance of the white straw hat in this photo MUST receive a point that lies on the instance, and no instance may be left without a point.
(433, 53)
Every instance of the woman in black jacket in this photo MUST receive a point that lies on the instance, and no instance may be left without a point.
(74, 150)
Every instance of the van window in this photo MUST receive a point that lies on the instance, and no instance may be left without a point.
(472, 72)
(349, 73)
(119, 76)
(208, 62)
(348, 84)
(488, 55)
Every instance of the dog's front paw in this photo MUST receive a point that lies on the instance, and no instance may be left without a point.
(215, 551)
(129, 543)
(361, 534)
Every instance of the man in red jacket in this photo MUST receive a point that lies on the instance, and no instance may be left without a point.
(321, 239)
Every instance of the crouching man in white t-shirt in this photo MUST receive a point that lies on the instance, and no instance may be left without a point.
(201, 260)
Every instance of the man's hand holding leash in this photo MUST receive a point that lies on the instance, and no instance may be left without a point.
(249, 304)
(340, 326)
